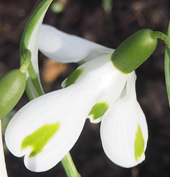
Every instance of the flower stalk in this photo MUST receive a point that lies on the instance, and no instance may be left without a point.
(166, 39)
(69, 166)
(167, 66)
(163, 37)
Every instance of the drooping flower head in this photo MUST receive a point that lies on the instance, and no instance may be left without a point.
(102, 89)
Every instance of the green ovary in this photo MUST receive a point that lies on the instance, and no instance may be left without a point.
(139, 144)
(98, 110)
(73, 77)
(38, 139)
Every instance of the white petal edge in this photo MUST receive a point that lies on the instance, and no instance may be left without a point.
(66, 48)
(119, 126)
(3, 172)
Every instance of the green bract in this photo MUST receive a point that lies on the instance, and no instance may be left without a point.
(136, 49)
(29, 41)
(12, 86)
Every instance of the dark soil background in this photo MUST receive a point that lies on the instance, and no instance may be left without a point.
(88, 19)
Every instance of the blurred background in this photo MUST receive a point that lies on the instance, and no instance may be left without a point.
(107, 22)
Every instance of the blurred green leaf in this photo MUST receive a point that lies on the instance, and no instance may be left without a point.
(107, 5)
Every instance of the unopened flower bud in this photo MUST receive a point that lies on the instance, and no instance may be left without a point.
(12, 86)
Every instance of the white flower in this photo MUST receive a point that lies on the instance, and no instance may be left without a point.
(47, 128)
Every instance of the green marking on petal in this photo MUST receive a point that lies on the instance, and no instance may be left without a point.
(98, 110)
(73, 77)
(139, 144)
(38, 139)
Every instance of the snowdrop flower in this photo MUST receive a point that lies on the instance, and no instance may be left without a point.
(102, 89)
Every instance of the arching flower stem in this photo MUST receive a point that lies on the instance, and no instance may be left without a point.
(163, 37)
(166, 39)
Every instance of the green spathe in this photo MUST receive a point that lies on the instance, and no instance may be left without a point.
(73, 77)
(136, 49)
(38, 139)
(30, 36)
(139, 144)
(12, 86)
(98, 110)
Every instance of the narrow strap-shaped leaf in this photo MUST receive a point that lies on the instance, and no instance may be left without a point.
(167, 67)
(30, 41)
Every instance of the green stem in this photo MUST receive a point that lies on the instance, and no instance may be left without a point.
(69, 166)
(163, 37)
(167, 71)
(35, 80)
(166, 39)
(167, 67)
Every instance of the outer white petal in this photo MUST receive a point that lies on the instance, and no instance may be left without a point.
(66, 48)
(119, 127)
(69, 106)
(3, 172)
(64, 106)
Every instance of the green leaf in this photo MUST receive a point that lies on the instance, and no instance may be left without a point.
(30, 41)
(167, 67)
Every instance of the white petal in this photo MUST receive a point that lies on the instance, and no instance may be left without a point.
(109, 98)
(3, 172)
(66, 108)
(66, 48)
(69, 106)
(100, 70)
(114, 83)
(122, 124)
